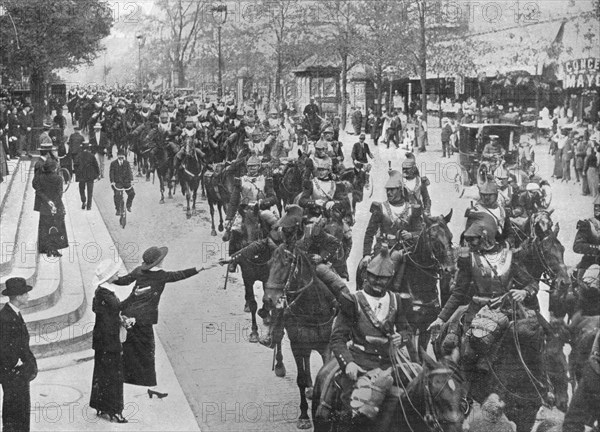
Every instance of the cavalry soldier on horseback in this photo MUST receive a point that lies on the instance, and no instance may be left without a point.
(319, 198)
(333, 149)
(392, 220)
(587, 240)
(416, 186)
(255, 192)
(318, 158)
(487, 265)
(370, 320)
(488, 204)
(505, 190)
(190, 132)
(293, 233)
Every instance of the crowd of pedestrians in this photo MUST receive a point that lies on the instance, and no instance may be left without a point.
(577, 150)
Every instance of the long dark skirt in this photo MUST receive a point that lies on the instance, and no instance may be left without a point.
(107, 383)
(138, 356)
(52, 233)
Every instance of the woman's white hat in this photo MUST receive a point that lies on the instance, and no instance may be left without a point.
(105, 270)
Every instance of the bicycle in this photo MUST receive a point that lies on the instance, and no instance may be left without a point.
(65, 175)
(122, 211)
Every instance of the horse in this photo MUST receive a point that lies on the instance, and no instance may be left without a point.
(190, 172)
(308, 312)
(358, 180)
(288, 183)
(513, 369)
(255, 265)
(425, 263)
(141, 150)
(162, 161)
(218, 180)
(435, 400)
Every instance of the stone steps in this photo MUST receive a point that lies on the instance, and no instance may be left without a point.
(13, 167)
(24, 256)
(13, 209)
(40, 271)
(67, 327)
(59, 313)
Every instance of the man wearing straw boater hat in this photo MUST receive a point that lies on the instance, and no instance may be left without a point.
(17, 363)
(142, 304)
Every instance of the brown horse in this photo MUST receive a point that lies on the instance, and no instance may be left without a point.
(418, 274)
(218, 180)
(515, 372)
(288, 182)
(433, 401)
(308, 309)
(189, 175)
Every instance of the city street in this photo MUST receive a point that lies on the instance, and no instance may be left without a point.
(228, 381)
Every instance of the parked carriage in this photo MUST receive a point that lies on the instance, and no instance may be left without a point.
(472, 168)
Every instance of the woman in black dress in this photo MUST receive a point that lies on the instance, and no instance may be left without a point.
(142, 304)
(107, 381)
(52, 233)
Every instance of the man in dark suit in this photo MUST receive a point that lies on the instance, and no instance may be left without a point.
(121, 176)
(87, 171)
(99, 146)
(17, 363)
(25, 124)
(75, 141)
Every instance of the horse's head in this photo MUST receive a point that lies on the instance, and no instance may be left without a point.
(189, 145)
(550, 255)
(436, 240)
(439, 393)
(280, 266)
(541, 223)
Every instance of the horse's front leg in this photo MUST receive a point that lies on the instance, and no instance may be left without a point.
(161, 184)
(279, 366)
(220, 208)
(303, 381)
(188, 197)
(211, 208)
(250, 302)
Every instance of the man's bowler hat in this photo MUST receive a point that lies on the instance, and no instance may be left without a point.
(16, 286)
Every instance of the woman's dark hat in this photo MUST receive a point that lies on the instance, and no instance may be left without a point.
(153, 256)
(16, 286)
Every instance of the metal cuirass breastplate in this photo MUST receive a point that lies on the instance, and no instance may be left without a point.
(492, 272)
(323, 189)
(252, 191)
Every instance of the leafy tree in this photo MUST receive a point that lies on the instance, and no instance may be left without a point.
(340, 27)
(53, 34)
(382, 34)
(183, 21)
(282, 28)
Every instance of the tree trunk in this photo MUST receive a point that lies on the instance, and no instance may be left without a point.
(344, 89)
(277, 97)
(181, 73)
(37, 81)
(379, 84)
(423, 60)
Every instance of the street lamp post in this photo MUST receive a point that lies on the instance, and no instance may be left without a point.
(140, 38)
(4, 11)
(219, 14)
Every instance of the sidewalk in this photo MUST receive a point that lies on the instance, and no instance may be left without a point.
(61, 392)
(60, 400)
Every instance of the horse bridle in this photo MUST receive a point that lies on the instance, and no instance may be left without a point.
(434, 268)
